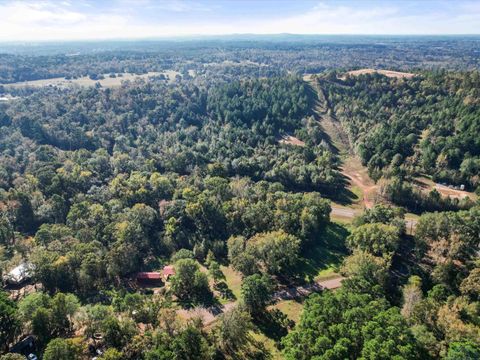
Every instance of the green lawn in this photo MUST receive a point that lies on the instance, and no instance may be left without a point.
(291, 308)
(233, 279)
(269, 345)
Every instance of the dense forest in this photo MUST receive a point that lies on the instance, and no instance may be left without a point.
(100, 186)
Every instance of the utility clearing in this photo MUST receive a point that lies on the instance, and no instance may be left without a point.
(351, 167)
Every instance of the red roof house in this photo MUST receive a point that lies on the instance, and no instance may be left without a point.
(149, 276)
(168, 271)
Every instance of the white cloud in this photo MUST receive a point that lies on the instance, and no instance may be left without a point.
(338, 19)
(327, 19)
(51, 20)
(37, 13)
(179, 6)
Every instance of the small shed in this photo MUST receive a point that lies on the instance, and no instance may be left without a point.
(168, 271)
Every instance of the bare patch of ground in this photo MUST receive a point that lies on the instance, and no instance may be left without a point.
(207, 315)
(332, 283)
(308, 77)
(353, 169)
(453, 193)
(300, 292)
(291, 140)
(387, 73)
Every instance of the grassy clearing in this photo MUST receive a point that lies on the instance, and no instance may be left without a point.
(327, 274)
(341, 220)
(291, 308)
(344, 214)
(387, 73)
(233, 279)
(412, 216)
(269, 345)
(324, 259)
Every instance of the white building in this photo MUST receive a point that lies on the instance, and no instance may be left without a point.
(19, 274)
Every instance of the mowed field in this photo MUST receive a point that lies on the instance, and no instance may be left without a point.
(86, 81)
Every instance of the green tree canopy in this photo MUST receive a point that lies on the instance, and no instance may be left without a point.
(61, 349)
(256, 292)
(377, 239)
(8, 320)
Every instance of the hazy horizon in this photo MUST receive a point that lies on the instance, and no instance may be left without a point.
(88, 20)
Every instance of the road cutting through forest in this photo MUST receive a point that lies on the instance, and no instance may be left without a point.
(351, 166)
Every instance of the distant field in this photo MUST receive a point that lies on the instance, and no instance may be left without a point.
(86, 81)
(387, 73)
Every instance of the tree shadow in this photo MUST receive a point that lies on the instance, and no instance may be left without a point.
(327, 251)
(342, 195)
(225, 291)
(274, 324)
(207, 300)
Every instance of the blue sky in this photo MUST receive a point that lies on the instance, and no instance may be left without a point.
(114, 19)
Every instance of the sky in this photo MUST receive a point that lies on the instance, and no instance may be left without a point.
(39, 20)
